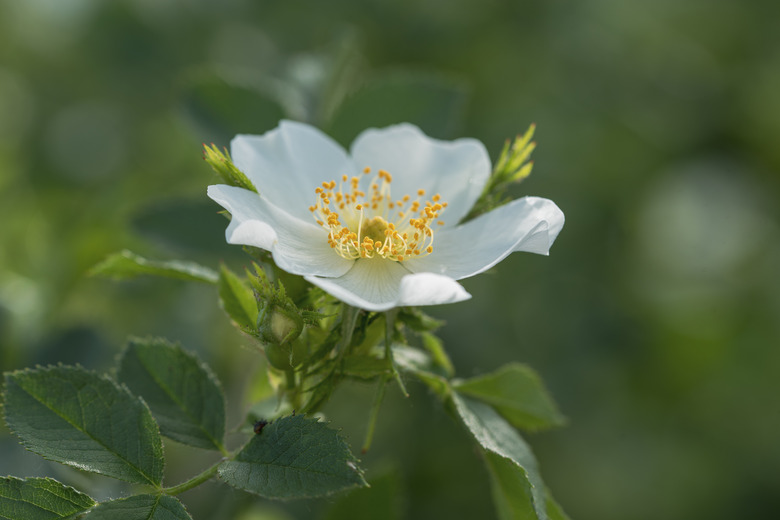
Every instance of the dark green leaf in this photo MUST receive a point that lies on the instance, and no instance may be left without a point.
(182, 392)
(141, 507)
(517, 393)
(221, 110)
(237, 299)
(433, 103)
(39, 499)
(497, 436)
(294, 457)
(127, 264)
(76, 417)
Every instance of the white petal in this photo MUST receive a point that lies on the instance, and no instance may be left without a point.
(457, 170)
(298, 247)
(529, 224)
(378, 285)
(287, 163)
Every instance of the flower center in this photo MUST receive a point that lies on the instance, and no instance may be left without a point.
(371, 224)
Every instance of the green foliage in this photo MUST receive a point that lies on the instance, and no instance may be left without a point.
(221, 163)
(517, 393)
(183, 394)
(126, 264)
(40, 499)
(510, 168)
(221, 109)
(78, 418)
(141, 507)
(513, 479)
(294, 457)
(382, 500)
(433, 103)
(237, 300)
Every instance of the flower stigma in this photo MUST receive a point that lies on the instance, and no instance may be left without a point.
(370, 225)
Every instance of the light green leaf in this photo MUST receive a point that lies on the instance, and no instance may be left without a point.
(39, 499)
(432, 102)
(497, 436)
(237, 299)
(182, 392)
(517, 393)
(141, 507)
(294, 457)
(78, 418)
(126, 264)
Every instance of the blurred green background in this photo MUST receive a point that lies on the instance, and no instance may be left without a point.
(655, 321)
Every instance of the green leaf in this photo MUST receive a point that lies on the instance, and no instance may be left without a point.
(510, 488)
(39, 499)
(126, 264)
(237, 299)
(517, 393)
(79, 418)
(435, 348)
(182, 392)
(294, 457)
(433, 103)
(497, 436)
(141, 507)
(554, 511)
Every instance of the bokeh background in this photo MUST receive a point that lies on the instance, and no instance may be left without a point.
(655, 321)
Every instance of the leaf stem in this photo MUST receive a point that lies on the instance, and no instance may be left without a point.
(389, 329)
(195, 481)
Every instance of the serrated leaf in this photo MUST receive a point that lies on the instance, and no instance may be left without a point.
(497, 436)
(184, 395)
(237, 299)
(126, 264)
(517, 393)
(82, 419)
(510, 488)
(554, 510)
(433, 103)
(294, 457)
(39, 499)
(140, 507)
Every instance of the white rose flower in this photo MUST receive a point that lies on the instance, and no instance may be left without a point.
(377, 228)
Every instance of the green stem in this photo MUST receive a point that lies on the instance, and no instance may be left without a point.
(389, 329)
(195, 481)
(378, 398)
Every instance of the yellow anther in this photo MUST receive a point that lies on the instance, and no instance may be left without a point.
(366, 170)
(421, 193)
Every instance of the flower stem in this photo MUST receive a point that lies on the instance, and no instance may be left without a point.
(195, 481)
(389, 329)
(378, 398)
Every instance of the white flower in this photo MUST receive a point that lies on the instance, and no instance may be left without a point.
(377, 228)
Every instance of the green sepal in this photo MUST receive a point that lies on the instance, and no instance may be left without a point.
(85, 420)
(294, 457)
(183, 393)
(221, 163)
(126, 264)
(237, 299)
(40, 499)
